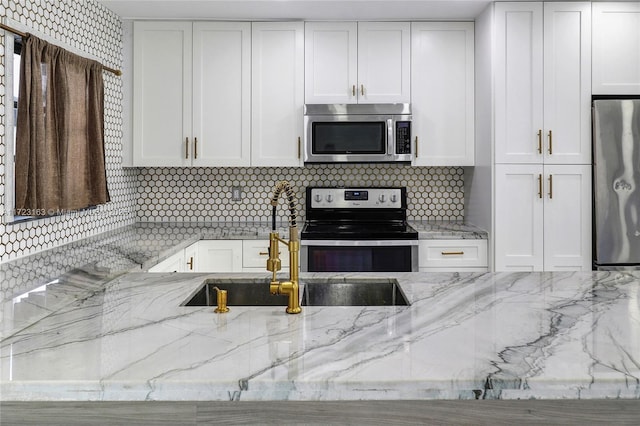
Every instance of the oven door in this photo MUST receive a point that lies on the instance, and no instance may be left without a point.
(358, 256)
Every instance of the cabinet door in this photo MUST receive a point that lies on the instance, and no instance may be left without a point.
(442, 93)
(221, 96)
(256, 252)
(616, 48)
(567, 218)
(277, 93)
(220, 256)
(518, 82)
(331, 62)
(384, 50)
(174, 263)
(519, 208)
(567, 83)
(162, 100)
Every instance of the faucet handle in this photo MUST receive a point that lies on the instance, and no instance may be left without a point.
(273, 262)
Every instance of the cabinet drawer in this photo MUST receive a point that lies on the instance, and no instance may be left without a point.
(453, 253)
(256, 252)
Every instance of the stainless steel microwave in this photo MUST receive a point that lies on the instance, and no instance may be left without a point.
(357, 133)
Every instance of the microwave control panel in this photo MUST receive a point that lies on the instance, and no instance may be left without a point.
(403, 137)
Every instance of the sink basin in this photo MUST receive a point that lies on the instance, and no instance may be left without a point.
(240, 292)
(353, 292)
(320, 292)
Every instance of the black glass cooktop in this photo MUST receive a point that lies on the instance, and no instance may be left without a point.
(358, 231)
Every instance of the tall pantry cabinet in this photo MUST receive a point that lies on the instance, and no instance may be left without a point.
(542, 155)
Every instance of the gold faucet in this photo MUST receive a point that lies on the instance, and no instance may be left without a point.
(291, 287)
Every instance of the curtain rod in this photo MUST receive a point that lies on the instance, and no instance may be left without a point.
(21, 34)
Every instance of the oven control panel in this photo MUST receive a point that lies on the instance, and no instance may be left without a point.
(348, 198)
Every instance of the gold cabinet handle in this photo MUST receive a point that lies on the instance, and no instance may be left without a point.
(550, 186)
(266, 253)
(190, 263)
(539, 141)
(540, 186)
(362, 90)
(299, 147)
(452, 253)
(353, 90)
(550, 142)
(416, 147)
(195, 148)
(186, 147)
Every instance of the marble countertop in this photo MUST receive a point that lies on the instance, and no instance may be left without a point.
(440, 230)
(464, 336)
(99, 259)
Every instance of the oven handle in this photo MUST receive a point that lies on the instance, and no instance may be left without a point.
(358, 243)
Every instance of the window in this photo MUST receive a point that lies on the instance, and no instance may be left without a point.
(55, 137)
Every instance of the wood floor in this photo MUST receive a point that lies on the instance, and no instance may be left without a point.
(529, 412)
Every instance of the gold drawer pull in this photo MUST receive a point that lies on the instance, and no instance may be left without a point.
(452, 253)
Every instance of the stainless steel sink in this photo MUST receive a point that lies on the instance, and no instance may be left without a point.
(353, 292)
(315, 292)
(240, 292)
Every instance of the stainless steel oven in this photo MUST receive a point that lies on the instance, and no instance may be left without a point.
(357, 230)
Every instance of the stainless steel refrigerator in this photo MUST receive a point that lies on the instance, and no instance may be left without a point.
(616, 183)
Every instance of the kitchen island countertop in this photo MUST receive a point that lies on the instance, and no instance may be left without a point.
(464, 336)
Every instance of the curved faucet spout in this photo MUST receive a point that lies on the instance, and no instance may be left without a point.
(291, 287)
(285, 186)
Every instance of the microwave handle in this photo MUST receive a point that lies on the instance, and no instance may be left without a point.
(390, 130)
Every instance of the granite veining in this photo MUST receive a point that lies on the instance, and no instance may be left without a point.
(444, 230)
(464, 336)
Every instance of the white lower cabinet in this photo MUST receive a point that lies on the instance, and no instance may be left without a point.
(255, 254)
(453, 256)
(174, 263)
(222, 256)
(543, 217)
(219, 256)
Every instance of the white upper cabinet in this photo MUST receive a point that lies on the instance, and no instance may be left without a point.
(384, 62)
(191, 94)
(162, 93)
(221, 95)
(542, 82)
(364, 62)
(616, 48)
(442, 93)
(277, 93)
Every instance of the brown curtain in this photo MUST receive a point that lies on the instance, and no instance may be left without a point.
(60, 159)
